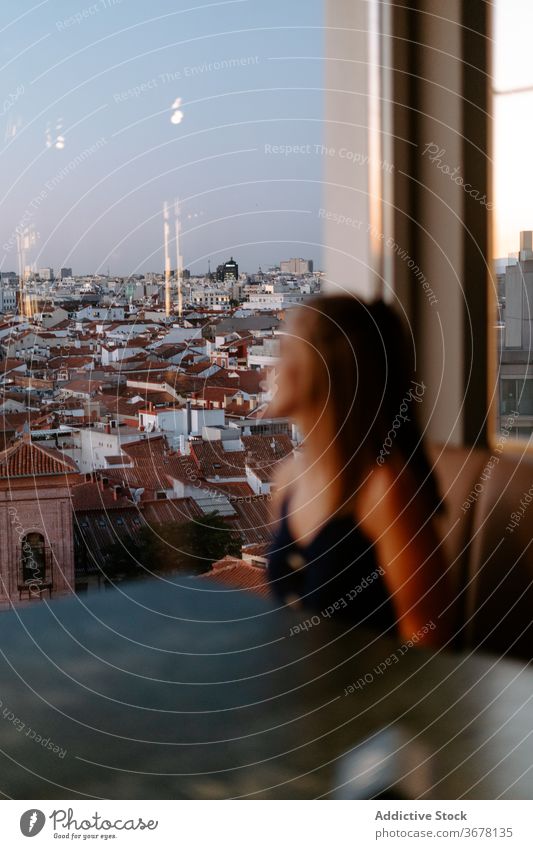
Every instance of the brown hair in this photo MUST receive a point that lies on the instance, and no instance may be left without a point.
(365, 374)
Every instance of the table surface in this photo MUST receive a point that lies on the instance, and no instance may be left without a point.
(173, 689)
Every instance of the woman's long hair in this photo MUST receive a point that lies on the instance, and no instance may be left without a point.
(365, 376)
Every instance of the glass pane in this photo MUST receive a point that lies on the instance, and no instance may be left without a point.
(162, 178)
(513, 214)
(525, 404)
(210, 112)
(508, 396)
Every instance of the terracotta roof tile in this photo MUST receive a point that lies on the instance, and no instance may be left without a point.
(198, 368)
(238, 575)
(232, 489)
(253, 520)
(267, 450)
(146, 447)
(90, 496)
(96, 529)
(256, 550)
(181, 468)
(215, 462)
(27, 460)
(11, 363)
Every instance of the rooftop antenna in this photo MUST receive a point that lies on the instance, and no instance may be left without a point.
(166, 231)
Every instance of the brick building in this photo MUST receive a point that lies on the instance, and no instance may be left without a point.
(37, 552)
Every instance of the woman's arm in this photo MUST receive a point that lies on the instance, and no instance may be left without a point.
(391, 514)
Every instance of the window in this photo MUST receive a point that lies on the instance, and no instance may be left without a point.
(33, 559)
(516, 396)
(512, 217)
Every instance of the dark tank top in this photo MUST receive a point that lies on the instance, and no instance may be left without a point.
(336, 575)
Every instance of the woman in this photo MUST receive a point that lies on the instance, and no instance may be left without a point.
(355, 505)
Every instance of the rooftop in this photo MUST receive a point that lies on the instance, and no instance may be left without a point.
(237, 575)
(28, 460)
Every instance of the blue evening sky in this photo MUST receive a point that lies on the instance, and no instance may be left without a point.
(89, 152)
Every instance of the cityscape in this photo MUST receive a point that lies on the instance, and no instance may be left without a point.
(515, 293)
(136, 437)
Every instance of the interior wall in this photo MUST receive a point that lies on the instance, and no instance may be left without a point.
(437, 209)
(349, 258)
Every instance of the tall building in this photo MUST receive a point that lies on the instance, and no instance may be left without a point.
(46, 273)
(8, 299)
(296, 266)
(228, 271)
(65, 272)
(516, 372)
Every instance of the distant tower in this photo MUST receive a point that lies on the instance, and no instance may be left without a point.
(22, 262)
(24, 241)
(179, 258)
(166, 233)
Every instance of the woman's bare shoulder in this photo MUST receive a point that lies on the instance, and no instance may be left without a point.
(390, 495)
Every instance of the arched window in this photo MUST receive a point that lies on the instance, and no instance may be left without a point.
(33, 559)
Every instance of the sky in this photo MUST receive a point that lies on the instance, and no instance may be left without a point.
(513, 123)
(90, 153)
(110, 108)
